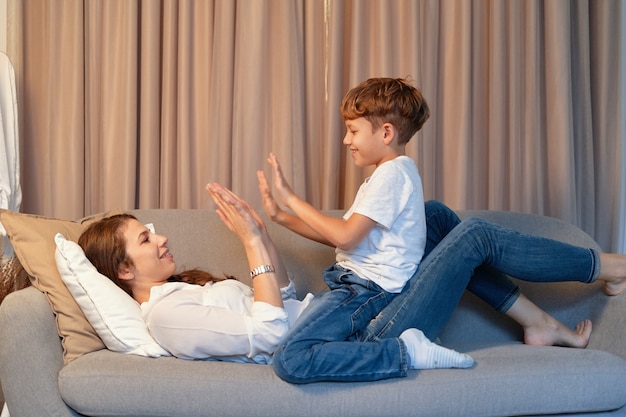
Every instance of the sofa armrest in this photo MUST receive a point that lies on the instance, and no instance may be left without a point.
(609, 326)
(30, 356)
(476, 324)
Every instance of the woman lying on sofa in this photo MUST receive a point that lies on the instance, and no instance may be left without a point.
(228, 320)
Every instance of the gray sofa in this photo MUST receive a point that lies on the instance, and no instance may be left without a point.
(510, 378)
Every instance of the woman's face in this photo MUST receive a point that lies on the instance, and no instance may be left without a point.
(151, 259)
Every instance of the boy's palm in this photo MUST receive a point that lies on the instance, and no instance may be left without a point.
(269, 203)
(283, 189)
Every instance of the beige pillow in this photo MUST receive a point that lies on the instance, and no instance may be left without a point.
(32, 238)
(114, 314)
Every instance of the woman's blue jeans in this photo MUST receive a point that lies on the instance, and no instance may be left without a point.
(350, 333)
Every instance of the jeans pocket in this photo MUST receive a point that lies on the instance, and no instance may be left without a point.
(336, 277)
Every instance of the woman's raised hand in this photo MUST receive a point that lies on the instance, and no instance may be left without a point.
(246, 224)
(237, 214)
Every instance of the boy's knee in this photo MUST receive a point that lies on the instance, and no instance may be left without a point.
(475, 220)
(440, 213)
(435, 205)
(281, 369)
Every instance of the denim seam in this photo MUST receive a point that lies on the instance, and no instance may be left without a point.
(404, 358)
(595, 266)
(508, 300)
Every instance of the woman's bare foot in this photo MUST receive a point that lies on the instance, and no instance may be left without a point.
(554, 333)
(613, 273)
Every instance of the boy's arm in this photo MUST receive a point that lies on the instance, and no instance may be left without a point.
(343, 234)
(277, 215)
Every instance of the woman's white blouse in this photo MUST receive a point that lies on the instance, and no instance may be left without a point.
(219, 320)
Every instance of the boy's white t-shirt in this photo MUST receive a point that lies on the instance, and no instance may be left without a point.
(394, 198)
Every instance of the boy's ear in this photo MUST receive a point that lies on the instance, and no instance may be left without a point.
(389, 133)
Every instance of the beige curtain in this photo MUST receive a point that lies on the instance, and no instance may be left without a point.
(137, 103)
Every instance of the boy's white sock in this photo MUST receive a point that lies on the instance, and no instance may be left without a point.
(425, 354)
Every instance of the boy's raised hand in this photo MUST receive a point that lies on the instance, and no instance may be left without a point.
(272, 209)
(283, 189)
(285, 195)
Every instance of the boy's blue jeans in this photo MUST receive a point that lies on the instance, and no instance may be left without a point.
(350, 333)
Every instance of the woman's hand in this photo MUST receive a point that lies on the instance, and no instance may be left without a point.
(237, 214)
(246, 224)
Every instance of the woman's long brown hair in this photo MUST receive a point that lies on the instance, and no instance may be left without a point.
(105, 246)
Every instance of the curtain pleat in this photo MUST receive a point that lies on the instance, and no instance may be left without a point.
(45, 117)
(149, 112)
(141, 103)
(608, 101)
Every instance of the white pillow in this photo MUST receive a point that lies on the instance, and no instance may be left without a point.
(114, 314)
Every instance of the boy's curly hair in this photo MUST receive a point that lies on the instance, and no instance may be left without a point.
(387, 100)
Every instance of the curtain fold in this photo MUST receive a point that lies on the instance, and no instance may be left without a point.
(141, 103)
(608, 111)
(111, 103)
(10, 185)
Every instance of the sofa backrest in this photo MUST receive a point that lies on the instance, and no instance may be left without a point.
(199, 239)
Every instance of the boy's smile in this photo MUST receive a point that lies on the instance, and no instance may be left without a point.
(369, 146)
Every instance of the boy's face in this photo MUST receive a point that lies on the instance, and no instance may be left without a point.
(366, 145)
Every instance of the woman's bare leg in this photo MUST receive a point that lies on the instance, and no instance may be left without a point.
(541, 329)
(613, 273)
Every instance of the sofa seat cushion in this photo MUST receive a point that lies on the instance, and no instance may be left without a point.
(512, 379)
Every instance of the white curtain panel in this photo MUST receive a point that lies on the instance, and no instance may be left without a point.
(10, 191)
